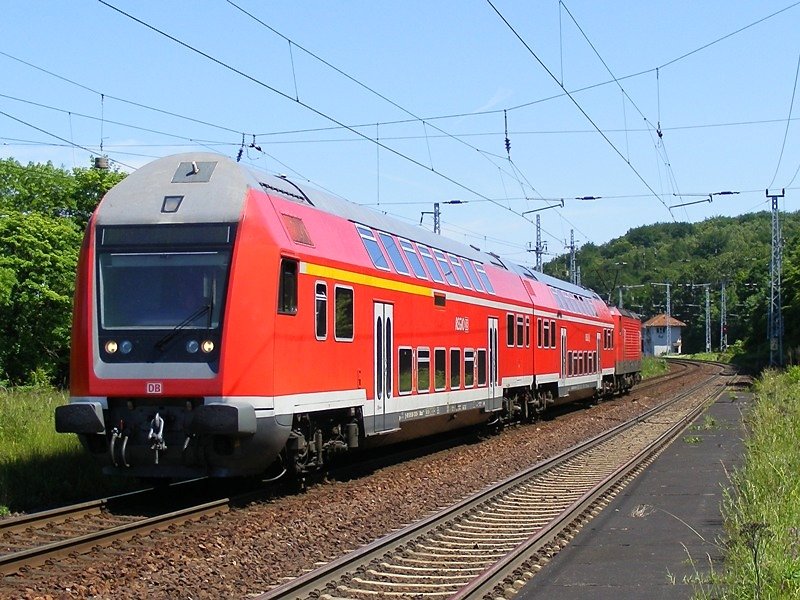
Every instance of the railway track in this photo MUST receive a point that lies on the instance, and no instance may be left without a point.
(34, 539)
(500, 537)
(37, 538)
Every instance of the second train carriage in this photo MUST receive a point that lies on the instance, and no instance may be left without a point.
(225, 319)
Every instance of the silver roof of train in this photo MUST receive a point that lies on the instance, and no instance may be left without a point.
(213, 189)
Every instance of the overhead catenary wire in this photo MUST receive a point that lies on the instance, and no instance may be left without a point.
(788, 122)
(66, 141)
(372, 90)
(305, 105)
(117, 98)
(577, 104)
(90, 140)
(585, 88)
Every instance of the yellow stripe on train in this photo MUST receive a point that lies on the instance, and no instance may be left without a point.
(360, 278)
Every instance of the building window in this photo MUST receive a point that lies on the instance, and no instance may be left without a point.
(287, 287)
(343, 329)
(321, 310)
(405, 364)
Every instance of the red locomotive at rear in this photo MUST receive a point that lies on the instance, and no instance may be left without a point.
(228, 322)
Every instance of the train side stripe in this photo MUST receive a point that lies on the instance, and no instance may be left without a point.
(419, 290)
(370, 280)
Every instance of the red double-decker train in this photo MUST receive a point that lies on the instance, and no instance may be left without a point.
(225, 320)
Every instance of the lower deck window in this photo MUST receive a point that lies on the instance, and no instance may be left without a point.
(343, 327)
(321, 311)
(481, 367)
(423, 369)
(439, 372)
(405, 365)
(455, 368)
(469, 368)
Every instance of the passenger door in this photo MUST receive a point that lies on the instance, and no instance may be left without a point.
(383, 351)
(493, 359)
(564, 366)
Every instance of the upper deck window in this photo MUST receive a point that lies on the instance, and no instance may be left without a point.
(413, 259)
(484, 279)
(473, 274)
(373, 248)
(460, 273)
(425, 253)
(447, 270)
(394, 253)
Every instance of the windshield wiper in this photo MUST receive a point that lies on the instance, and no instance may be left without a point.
(205, 308)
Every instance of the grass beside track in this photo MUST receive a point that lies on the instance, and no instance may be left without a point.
(762, 510)
(652, 366)
(40, 468)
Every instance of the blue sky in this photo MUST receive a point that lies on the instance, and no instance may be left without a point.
(450, 74)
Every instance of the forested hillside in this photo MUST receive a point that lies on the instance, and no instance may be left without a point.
(43, 212)
(735, 251)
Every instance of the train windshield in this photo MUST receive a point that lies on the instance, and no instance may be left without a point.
(162, 290)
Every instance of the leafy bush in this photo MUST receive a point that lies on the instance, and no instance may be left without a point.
(762, 512)
(43, 211)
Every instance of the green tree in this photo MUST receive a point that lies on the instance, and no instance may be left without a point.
(38, 256)
(722, 249)
(43, 210)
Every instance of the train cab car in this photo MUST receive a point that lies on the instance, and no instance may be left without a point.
(227, 322)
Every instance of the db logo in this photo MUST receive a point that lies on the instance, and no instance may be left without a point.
(154, 387)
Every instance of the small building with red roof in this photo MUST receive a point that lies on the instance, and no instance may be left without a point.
(662, 335)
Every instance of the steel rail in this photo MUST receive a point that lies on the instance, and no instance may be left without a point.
(485, 585)
(310, 584)
(10, 563)
(55, 515)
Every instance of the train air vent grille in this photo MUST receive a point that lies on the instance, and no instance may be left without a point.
(297, 230)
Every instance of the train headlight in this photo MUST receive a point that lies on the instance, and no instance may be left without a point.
(111, 346)
(208, 346)
(125, 347)
(192, 346)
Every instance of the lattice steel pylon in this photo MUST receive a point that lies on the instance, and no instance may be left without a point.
(573, 273)
(540, 248)
(775, 321)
